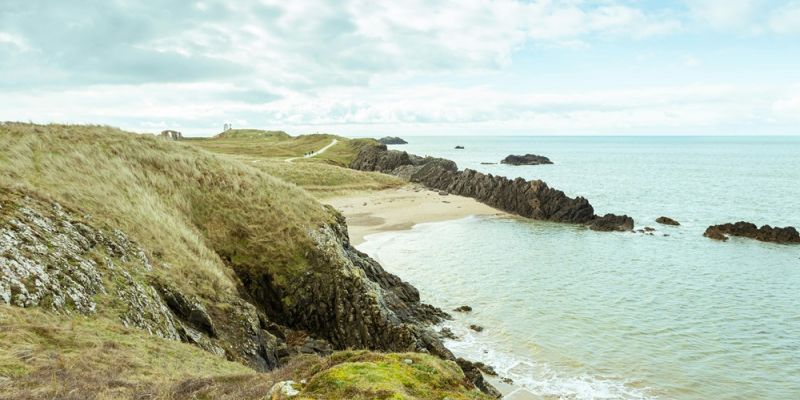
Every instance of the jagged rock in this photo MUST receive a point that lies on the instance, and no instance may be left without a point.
(486, 369)
(447, 333)
(463, 309)
(392, 140)
(190, 310)
(531, 199)
(476, 328)
(611, 222)
(473, 373)
(667, 221)
(766, 233)
(527, 159)
(459, 147)
(649, 229)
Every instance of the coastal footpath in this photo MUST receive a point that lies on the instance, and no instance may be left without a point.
(531, 199)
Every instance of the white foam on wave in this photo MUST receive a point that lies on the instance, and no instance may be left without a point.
(538, 377)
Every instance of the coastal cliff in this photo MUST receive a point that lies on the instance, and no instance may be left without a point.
(167, 240)
(531, 199)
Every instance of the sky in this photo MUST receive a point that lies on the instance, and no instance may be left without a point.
(411, 67)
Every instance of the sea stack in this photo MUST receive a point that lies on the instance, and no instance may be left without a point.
(527, 159)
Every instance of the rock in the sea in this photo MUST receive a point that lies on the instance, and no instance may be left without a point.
(473, 373)
(463, 309)
(392, 140)
(611, 222)
(667, 221)
(476, 328)
(766, 233)
(447, 333)
(649, 229)
(459, 147)
(527, 159)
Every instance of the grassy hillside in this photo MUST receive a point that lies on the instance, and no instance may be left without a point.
(322, 175)
(199, 218)
(183, 204)
(45, 356)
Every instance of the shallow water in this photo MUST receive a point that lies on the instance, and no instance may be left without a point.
(571, 313)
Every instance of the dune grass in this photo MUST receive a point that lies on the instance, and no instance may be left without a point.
(186, 206)
(324, 175)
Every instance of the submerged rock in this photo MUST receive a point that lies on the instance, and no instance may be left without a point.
(459, 147)
(392, 140)
(527, 159)
(766, 233)
(476, 328)
(463, 309)
(667, 221)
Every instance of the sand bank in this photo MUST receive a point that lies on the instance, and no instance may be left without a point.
(402, 208)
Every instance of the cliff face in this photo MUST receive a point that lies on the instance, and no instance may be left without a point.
(532, 199)
(52, 257)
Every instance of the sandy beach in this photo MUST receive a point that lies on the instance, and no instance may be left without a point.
(402, 208)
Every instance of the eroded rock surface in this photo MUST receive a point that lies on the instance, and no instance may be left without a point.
(527, 159)
(766, 233)
(667, 221)
(532, 199)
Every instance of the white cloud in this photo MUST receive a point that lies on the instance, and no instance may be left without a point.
(786, 20)
(13, 40)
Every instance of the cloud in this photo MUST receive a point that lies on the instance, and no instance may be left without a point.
(376, 64)
(786, 20)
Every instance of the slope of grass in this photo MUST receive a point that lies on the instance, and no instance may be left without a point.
(46, 356)
(183, 204)
(324, 175)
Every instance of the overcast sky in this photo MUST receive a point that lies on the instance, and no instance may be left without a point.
(362, 67)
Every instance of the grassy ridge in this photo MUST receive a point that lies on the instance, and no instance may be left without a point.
(322, 175)
(185, 205)
(189, 209)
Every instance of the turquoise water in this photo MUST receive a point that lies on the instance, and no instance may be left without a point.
(571, 313)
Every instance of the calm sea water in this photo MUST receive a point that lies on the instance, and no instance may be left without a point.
(571, 313)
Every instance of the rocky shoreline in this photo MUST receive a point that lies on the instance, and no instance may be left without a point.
(766, 233)
(531, 199)
(348, 301)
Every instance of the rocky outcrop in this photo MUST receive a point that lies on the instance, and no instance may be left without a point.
(611, 222)
(527, 159)
(459, 147)
(347, 298)
(667, 221)
(392, 140)
(532, 199)
(766, 233)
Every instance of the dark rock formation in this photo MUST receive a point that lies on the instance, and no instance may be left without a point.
(766, 233)
(531, 199)
(392, 140)
(667, 221)
(473, 373)
(611, 222)
(476, 328)
(527, 159)
(463, 309)
(459, 147)
(447, 333)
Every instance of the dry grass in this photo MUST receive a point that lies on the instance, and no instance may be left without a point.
(325, 175)
(184, 205)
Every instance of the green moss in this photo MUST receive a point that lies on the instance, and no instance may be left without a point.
(367, 375)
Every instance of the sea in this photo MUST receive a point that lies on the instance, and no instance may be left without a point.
(570, 313)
